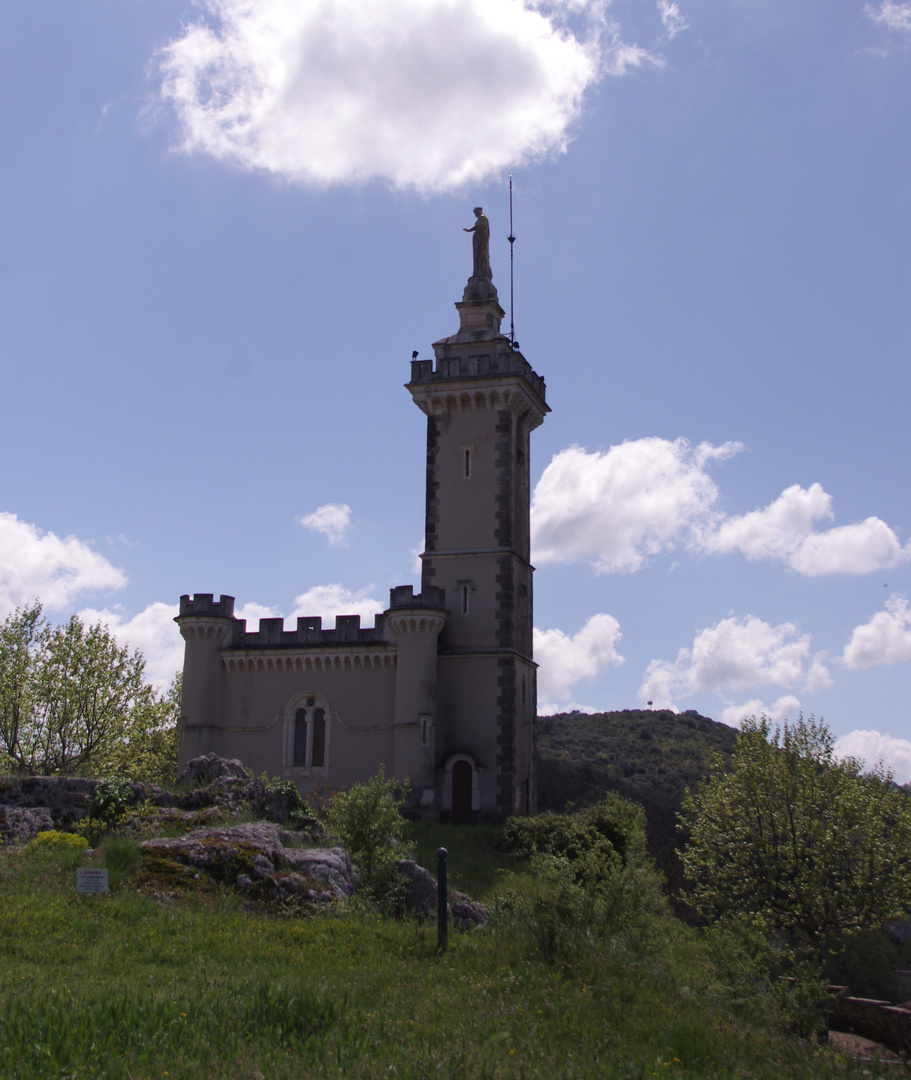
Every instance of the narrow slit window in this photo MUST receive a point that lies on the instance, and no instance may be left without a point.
(300, 739)
(467, 465)
(318, 752)
(464, 599)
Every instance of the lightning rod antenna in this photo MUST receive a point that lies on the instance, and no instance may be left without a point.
(512, 240)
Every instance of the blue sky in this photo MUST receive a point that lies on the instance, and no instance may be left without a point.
(226, 227)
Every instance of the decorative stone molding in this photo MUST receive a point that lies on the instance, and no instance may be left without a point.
(417, 622)
(307, 661)
(202, 629)
(438, 400)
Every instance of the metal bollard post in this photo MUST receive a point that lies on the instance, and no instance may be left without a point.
(442, 906)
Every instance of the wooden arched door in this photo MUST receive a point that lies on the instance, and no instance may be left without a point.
(462, 782)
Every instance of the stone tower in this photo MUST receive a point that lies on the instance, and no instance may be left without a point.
(482, 401)
(440, 691)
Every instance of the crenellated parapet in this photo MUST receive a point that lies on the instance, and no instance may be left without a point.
(490, 375)
(308, 632)
(404, 596)
(203, 618)
(205, 604)
(499, 359)
(417, 613)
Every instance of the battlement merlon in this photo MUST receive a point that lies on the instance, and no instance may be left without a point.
(206, 606)
(404, 597)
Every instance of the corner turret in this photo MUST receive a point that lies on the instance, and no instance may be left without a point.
(205, 625)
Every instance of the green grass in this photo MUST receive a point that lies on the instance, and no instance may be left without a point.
(475, 864)
(125, 986)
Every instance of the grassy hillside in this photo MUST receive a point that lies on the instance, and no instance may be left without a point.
(649, 756)
(143, 984)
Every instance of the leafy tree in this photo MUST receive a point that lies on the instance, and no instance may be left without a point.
(795, 839)
(72, 700)
(367, 819)
(146, 746)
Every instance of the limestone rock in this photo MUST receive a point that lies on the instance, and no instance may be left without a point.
(331, 867)
(243, 854)
(466, 912)
(421, 898)
(421, 889)
(19, 824)
(66, 798)
(210, 767)
(262, 868)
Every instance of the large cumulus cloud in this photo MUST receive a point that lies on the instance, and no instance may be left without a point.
(424, 94)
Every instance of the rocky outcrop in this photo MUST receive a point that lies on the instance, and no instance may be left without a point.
(20, 824)
(212, 767)
(66, 798)
(421, 898)
(420, 894)
(227, 791)
(258, 856)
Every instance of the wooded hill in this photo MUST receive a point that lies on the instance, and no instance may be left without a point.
(648, 755)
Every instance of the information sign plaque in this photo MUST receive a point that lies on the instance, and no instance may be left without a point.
(91, 881)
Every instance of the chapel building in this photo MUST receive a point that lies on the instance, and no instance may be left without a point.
(441, 691)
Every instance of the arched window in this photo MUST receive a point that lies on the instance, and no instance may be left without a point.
(308, 736)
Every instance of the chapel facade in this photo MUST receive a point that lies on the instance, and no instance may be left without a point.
(441, 691)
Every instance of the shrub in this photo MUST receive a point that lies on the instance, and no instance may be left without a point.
(282, 802)
(112, 798)
(614, 827)
(367, 821)
(55, 841)
(595, 878)
(763, 980)
(92, 829)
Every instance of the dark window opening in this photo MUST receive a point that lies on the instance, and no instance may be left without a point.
(318, 754)
(309, 738)
(300, 738)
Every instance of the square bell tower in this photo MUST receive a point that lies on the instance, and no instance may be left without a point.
(482, 400)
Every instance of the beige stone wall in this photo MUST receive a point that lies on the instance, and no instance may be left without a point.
(257, 719)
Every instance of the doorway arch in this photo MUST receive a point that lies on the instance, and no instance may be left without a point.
(461, 793)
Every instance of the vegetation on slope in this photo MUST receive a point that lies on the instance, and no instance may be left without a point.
(140, 985)
(649, 756)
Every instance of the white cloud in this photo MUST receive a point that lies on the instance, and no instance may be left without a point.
(885, 639)
(620, 507)
(783, 709)
(36, 565)
(872, 747)
(549, 708)
(332, 520)
(619, 57)
(671, 18)
(153, 632)
(424, 94)
(330, 600)
(253, 612)
(892, 16)
(564, 661)
(733, 655)
(784, 530)
(417, 566)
